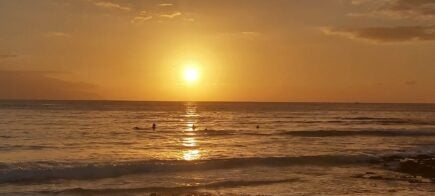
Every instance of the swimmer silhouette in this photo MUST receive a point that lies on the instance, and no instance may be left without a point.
(193, 127)
(258, 126)
(154, 126)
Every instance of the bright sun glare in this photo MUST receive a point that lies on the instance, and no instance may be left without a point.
(191, 74)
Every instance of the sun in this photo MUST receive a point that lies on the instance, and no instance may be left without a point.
(191, 74)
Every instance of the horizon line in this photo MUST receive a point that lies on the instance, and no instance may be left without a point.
(217, 101)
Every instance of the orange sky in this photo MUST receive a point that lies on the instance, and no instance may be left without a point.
(245, 50)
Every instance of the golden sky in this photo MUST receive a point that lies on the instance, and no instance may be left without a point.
(243, 50)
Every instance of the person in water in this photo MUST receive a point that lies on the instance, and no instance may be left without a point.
(154, 126)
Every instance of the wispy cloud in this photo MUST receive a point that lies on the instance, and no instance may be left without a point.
(57, 34)
(6, 56)
(410, 83)
(110, 5)
(189, 19)
(173, 15)
(360, 2)
(243, 35)
(397, 9)
(418, 7)
(141, 17)
(166, 5)
(251, 33)
(40, 85)
(386, 34)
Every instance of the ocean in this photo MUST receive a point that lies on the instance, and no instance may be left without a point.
(213, 148)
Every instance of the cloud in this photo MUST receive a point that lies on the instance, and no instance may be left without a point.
(189, 19)
(110, 5)
(37, 85)
(360, 2)
(397, 9)
(57, 34)
(145, 16)
(142, 17)
(173, 15)
(251, 33)
(418, 7)
(243, 35)
(6, 56)
(386, 34)
(410, 83)
(166, 5)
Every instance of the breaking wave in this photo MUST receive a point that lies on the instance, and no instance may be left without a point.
(47, 171)
(179, 189)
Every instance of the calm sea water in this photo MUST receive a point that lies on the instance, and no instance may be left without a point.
(103, 147)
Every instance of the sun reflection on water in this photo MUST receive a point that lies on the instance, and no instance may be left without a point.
(189, 126)
(189, 142)
(190, 155)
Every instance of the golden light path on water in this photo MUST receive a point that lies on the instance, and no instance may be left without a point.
(191, 150)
